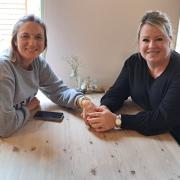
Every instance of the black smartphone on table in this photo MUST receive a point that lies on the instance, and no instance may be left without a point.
(49, 116)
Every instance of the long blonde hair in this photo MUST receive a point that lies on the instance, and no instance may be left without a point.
(28, 18)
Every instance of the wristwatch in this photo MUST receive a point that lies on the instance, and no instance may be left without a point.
(81, 99)
(118, 122)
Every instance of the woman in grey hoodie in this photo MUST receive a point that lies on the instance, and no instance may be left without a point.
(23, 71)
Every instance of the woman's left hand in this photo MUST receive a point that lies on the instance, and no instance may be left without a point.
(101, 120)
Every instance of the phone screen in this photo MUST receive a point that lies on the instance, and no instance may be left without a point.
(49, 116)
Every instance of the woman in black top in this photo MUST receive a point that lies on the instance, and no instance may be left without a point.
(151, 78)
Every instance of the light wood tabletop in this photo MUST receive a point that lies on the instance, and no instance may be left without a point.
(70, 151)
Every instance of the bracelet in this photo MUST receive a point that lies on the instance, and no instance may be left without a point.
(81, 99)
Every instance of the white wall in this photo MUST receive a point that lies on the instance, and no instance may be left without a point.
(102, 33)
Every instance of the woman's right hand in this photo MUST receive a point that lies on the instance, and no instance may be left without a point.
(87, 107)
(33, 106)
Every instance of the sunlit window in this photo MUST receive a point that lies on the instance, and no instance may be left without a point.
(10, 12)
(178, 39)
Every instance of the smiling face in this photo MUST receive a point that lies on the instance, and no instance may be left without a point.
(30, 41)
(154, 45)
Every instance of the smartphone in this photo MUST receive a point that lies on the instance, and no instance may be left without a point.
(49, 116)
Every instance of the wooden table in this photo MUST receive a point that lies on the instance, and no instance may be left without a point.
(69, 151)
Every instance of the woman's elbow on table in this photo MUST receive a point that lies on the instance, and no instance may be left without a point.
(5, 131)
(151, 132)
(9, 124)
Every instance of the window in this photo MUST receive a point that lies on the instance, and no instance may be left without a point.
(10, 12)
(178, 39)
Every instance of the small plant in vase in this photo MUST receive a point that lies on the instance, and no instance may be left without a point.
(74, 64)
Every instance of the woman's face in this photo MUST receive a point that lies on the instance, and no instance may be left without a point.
(30, 41)
(154, 45)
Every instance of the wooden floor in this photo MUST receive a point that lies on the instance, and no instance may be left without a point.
(71, 151)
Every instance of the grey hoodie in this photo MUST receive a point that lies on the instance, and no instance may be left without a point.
(18, 86)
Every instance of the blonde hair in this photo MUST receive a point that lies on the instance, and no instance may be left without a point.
(158, 19)
(20, 22)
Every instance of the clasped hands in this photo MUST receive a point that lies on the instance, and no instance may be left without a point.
(99, 118)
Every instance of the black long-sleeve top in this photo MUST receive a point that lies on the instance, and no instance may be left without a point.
(160, 97)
